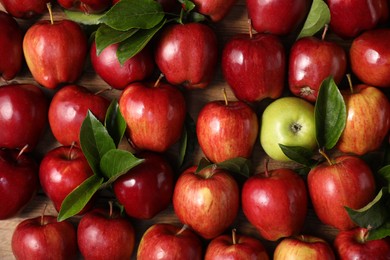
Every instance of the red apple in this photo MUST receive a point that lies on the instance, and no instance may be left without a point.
(18, 182)
(154, 115)
(254, 66)
(187, 54)
(304, 247)
(23, 116)
(104, 234)
(368, 120)
(25, 9)
(68, 110)
(146, 189)
(345, 181)
(275, 202)
(207, 201)
(61, 171)
(118, 76)
(11, 50)
(55, 52)
(370, 57)
(86, 6)
(235, 247)
(311, 61)
(44, 238)
(279, 17)
(216, 10)
(165, 241)
(227, 130)
(353, 244)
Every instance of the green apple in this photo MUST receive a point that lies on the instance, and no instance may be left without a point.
(288, 121)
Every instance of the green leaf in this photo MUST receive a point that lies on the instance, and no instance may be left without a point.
(105, 36)
(187, 5)
(131, 46)
(299, 154)
(384, 172)
(129, 14)
(330, 114)
(94, 141)
(83, 18)
(203, 163)
(115, 123)
(187, 141)
(79, 197)
(237, 165)
(381, 232)
(318, 17)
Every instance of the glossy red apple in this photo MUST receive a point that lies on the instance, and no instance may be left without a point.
(207, 201)
(275, 202)
(44, 238)
(254, 66)
(25, 9)
(278, 17)
(105, 234)
(187, 54)
(11, 50)
(146, 189)
(86, 6)
(311, 61)
(235, 247)
(331, 185)
(368, 120)
(118, 76)
(68, 110)
(353, 244)
(19, 182)
(370, 57)
(61, 170)
(168, 242)
(55, 52)
(226, 130)
(304, 247)
(23, 116)
(216, 10)
(154, 115)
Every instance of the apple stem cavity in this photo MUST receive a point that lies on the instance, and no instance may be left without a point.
(322, 152)
(234, 236)
(350, 83)
(158, 80)
(50, 12)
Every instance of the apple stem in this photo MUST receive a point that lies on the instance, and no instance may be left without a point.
(158, 80)
(326, 27)
(234, 236)
(184, 227)
(71, 150)
(363, 234)
(43, 215)
(266, 172)
(102, 91)
(225, 97)
(22, 151)
(50, 12)
(350, 83)
(250, 28)
(110, 203)
(322, 152)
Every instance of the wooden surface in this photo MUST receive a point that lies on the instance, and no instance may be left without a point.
(234, 23)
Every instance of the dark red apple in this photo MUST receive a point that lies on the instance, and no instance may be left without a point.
(61, 171)
(187, 54)
(19, 182)
(154, 115)
(146, 189)
(86, 6)
(168, 242)
(55, 52)
(207, 201)
(254, 66)
(68, 110)
(43, 238)
(275, 202)
(216, 10)
(118, 76)
(25, 9)
(23, 116)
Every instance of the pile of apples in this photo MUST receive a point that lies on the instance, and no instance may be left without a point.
(276, 80)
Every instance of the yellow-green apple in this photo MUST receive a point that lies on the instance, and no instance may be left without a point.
(353, 244)
(254, 66)
(287, 121)
(105, 234)
(86, 6)
(62, 169)
(280, 17)
(345, 181)
(304, 247)
(275, 202)
(19, 182)
(207, 201)
(370, 57)
(311, 61)
(118, 76)
(147, 189)
(216, 10)
(43, 237)
(55, 52)
(23, 116)
(68, 109)
(11, 50)
(368, 120)
(154, 114)
(187, 54)
(166, 241)
(25, 9)
(226, 130)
